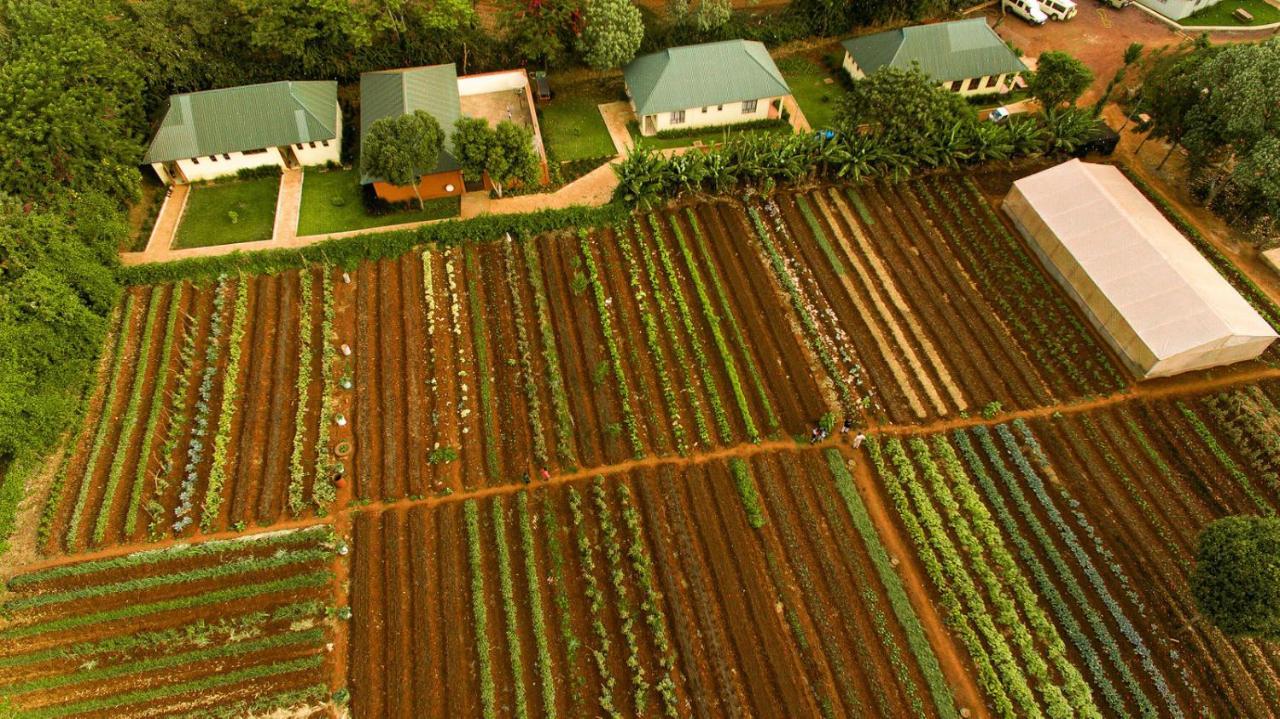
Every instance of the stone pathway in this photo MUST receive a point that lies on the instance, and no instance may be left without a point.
(288, 205)
(616, 116)
(175, 203)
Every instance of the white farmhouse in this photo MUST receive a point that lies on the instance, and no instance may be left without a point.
(964, 56)
(217, 133)
(715, 83)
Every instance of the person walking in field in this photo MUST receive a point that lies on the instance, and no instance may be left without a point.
(858, 440)
(844, 428)
(544, 474)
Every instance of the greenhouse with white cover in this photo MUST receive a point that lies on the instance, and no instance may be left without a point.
(1151, 294)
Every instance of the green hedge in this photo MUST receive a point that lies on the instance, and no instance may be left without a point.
(348, 251)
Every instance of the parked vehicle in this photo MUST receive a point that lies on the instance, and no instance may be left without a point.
(999, 115)
(1028, 10)
(1058, 9)
(1117, 4)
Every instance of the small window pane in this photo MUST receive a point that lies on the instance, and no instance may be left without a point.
(749, 106)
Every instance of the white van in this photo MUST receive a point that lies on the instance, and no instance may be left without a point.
(1058, 9)
(1028, 10)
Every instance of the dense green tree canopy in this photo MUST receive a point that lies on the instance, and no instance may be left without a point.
(70, 114)
(505, 153)
(402, 149)
(1236, 581)
(1222, 103)
(904, 108)
(611, 34)
(1059, 79)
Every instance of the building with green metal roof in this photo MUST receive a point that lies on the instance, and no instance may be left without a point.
(216, 133)
(965, 56)
(715, 83)
(502, 96)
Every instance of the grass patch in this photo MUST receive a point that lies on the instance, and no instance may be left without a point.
(229, 213)
(1220, 14)
(710, 136)
(333, 202)
(809, 84)
(572, 127)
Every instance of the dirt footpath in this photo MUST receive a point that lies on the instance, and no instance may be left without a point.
(1097, 35)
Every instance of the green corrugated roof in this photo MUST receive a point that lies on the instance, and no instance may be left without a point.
(713, 73)
(249, 117)
(947, 51)
(391, 93)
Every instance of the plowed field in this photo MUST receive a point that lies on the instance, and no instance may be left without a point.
(576, 475)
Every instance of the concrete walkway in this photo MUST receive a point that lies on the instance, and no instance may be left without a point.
(592, 189)
(616, 116)
(175, 203)
(288, 205)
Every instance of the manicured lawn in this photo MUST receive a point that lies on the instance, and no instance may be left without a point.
(331, 202)
(815, 88)
(711, 136)
(1220, 14)
(228, 213)
(571, 124)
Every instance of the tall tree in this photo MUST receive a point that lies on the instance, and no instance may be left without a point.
(611, 34)
(1236, 582)
(312, 32)
(505, 153)
(400, 150)
(904, 108)
(1059, 79)
(542, 31)
(70, 102)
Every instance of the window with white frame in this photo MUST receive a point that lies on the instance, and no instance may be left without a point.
(749, 106)
(677, 117)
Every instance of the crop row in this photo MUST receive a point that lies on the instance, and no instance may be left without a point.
(506, 585)
(323, 491)
(917, 642)
(484, 378)
(611, 344)
(1246, 416)
(1000, 675)
(230, 398)
(44, 528)
(669, 326)
(651, 602)
(302, 386)
(695, 341)
(104, 426)
(717, 333)
(653, 339)
(534, 592)
(1049, 591)
(130, 418)
(546, 333)
(622, 604)
(479, 612)
(203, 406)
(1033, 481)
(700, 241)
(157, 513)
(524, 348)
(595, 599)
(813, 334)
(746, 486)
(149, 429)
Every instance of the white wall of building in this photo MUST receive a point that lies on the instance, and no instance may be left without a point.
(983, 85)
(1177, 9)
(209, 167)
(730, 113)
(204, 168)
(487, 82)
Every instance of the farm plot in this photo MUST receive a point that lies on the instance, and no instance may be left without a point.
(222, 628)
(206, 415)
(711, 591)
(1062, 548)
(919, 302)
(478, 365)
